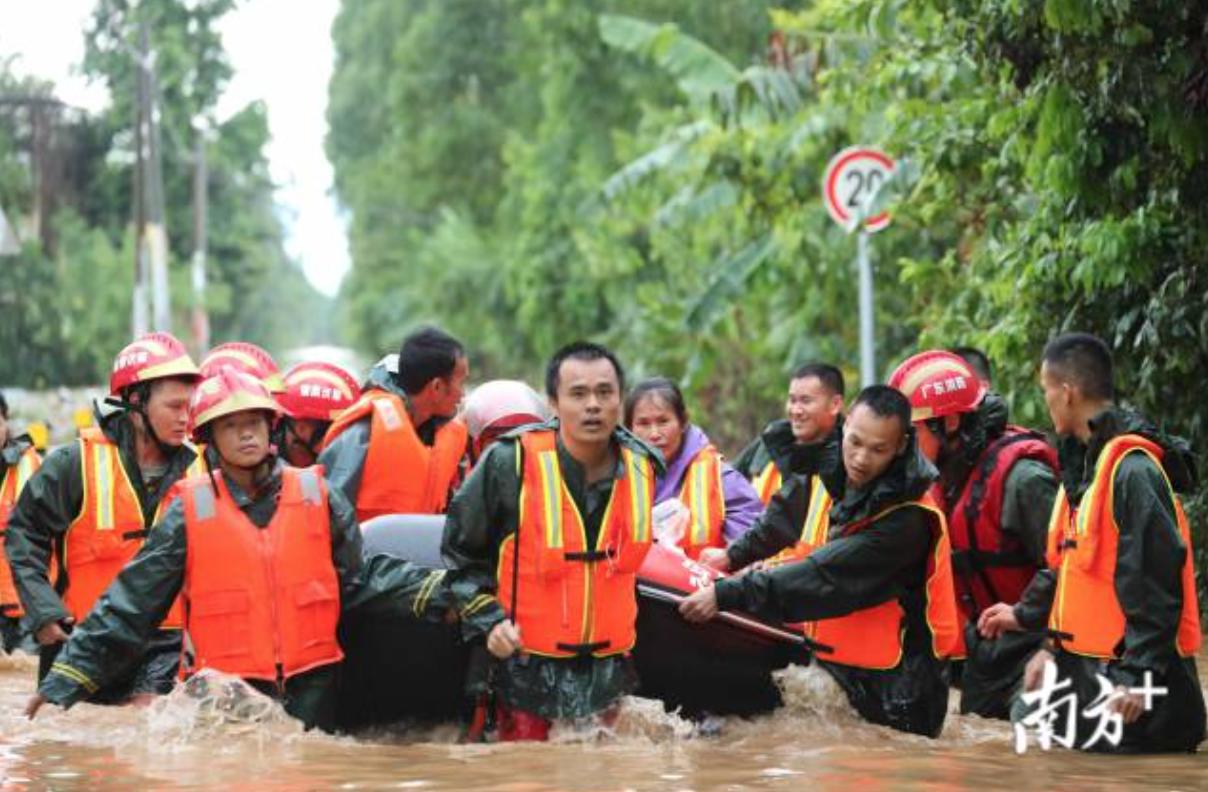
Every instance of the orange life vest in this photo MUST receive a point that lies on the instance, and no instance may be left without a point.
(813, 530)
(1083, 549)
(109, 530)
(572, 600)
(705, 498)
(768, 482)
(261, 603)
(872, 637)
(15, 477)
(401, 474)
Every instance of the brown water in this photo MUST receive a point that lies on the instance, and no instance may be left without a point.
(814, 742)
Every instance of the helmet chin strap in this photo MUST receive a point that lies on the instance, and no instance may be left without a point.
(139, 408)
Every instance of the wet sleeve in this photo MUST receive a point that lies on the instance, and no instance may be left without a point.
(477, 520)
(1032, 610)
(743, 506)
(1028, 495)
(1149, 568)
(45, 509)
(115, 634)
(778, 527)
(846, 574)
(344, 460)
(379, 584)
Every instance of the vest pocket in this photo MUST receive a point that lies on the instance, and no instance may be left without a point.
(103, 544)
(318, 613)
(223, 616)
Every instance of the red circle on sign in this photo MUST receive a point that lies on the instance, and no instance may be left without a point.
(836, 167)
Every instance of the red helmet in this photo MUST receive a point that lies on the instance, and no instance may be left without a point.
(319, 391)
(228, 391)
(150, 357)
(247, 358)
(938, 383)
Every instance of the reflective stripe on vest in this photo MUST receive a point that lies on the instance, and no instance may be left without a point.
(814, 527)
(768, 482)
(108, 531)
(872, 637)
(263, 603)
(1083, 547)
(571, 599)
(15, 478)
(702, 493)
(401, 475)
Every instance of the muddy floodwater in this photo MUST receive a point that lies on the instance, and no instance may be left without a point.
(814, 742)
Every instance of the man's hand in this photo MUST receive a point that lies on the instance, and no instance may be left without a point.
(701, 606)
(1033, 672)
(715, 558)
(504, 639)
(996, 620)
(52, 633)
(34, 704)
(1129, 706)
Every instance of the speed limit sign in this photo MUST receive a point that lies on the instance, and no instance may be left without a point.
(852, 178)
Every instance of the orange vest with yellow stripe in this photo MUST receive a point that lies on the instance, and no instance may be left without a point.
(14, 481)
(768, 482)
(1083, 545)
(872, 637)
(261, 603)
(705, 498)
(813, 530)
(109, 530)
(572, 600)
(401, 474)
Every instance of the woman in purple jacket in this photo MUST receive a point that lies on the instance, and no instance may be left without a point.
(701, 500)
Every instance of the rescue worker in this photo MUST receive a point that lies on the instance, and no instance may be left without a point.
(716, 504)
(997, 486)
(497, 407)
(92, 503)
(1121, 598)
(791, 445)
(400, 449)
(543, 543)
(267, 561)
(246, 357)
(314, 395)
(793, 487)
(878, 588)
(18, 461)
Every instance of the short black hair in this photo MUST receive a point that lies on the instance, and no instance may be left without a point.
(1084, 360)
(830, 376)
(579, 350)
(3, 406)
(886, 402)
(661, 387)
(427, 354)
(976, 359)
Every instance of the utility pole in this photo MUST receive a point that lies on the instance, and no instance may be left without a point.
(200, 323)
(140, 312)
(153, 237)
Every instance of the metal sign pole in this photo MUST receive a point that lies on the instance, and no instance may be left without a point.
(868, 365)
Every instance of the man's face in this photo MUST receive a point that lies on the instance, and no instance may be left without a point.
(241, 438)
(588, 404)
(931, 443)
(811, 409)
(168, 410)
(1059, 398)
(870, 444)
(447, 392)
(300, 439)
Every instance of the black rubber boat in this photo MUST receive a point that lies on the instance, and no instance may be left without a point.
(397, 670)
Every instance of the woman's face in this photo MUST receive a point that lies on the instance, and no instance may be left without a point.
(655, 421)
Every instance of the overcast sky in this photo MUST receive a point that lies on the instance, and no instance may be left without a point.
(281, 53)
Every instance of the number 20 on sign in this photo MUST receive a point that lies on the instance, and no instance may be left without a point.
(852, 178)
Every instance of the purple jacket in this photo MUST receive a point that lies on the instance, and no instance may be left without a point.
(742, 501)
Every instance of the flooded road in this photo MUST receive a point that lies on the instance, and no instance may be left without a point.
(813, 742)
